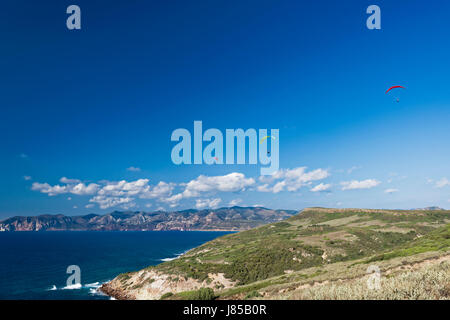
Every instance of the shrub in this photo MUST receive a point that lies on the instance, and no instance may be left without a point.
(201, 294)
(253, 294)
(166, 295)
(428, 283)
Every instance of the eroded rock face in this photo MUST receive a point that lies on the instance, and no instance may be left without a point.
(38, 223)
(151, 285)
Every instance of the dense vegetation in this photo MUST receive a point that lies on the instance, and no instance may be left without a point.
(313, 238)
(438, 240)
(318, 246)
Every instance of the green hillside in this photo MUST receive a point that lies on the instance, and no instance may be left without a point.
(306, 246)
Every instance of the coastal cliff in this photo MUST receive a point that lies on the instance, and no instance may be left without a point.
(221, 219)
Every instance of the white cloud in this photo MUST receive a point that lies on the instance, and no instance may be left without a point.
(68, 181)
(69, 198)
(390, 190)
(173, 199)
(148, 205)
(90, 205)
(232, 182)
(442, 183)
(107, 194)
(78, 189)
(234, 202)
(290, 179)
(124, 193)
(81, 189)
(138, 188)
(110, 193)
(133, 169)
(50, 190)
(228, 183)
(321, 187)
(125, 188)
(355, 184)
(264, 188)
(106, 202)
(27, 178)
(207, 203)
(162, 189)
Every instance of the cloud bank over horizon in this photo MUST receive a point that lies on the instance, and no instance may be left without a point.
(201, 192)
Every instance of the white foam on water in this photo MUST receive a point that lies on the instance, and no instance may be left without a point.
(73, 287)
(176, 256)
(93, 285)
(168, 259)
(94, 288)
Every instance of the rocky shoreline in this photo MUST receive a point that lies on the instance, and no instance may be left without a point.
(150, 284)
(113, 293)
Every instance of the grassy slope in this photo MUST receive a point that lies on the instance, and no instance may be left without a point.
(311, 246)
(347, 279)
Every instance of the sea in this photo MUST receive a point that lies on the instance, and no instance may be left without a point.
(34, 265)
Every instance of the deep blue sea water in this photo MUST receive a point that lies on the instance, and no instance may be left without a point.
(33, 264)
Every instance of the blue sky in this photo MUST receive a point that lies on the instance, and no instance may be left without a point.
(90, 104)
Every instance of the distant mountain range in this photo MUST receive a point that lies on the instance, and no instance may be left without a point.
(430, 209)
(234, 218)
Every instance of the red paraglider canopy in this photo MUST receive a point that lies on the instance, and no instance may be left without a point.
(394, 87)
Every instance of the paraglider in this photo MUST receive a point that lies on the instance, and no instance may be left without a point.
(395, 87)
(266, 137)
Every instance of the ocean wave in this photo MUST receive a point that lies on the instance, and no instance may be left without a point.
(94, 288)
(168, 259)
(93, 285)
(173, 258)
(73, 287)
